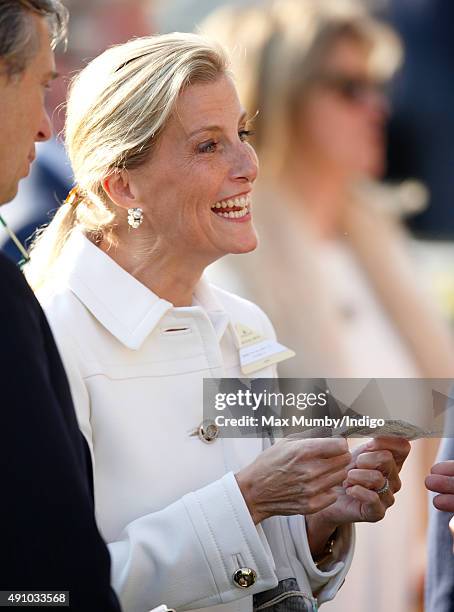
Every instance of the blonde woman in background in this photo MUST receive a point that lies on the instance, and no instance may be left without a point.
(332, 268)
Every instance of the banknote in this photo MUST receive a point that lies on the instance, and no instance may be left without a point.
(392, 427)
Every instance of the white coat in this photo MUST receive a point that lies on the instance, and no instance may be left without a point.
(167, 503)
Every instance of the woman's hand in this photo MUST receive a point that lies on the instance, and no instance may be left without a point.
(375, 463)
(372, 464)
(441, 480)
(294, 476)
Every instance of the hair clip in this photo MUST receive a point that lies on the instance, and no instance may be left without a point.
(73, 198)
(132, 59)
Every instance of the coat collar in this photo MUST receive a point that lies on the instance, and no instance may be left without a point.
(123, 305)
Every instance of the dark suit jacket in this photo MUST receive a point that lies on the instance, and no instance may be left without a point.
(440, 569)
(48, 536)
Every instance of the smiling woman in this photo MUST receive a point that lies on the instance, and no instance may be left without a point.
(179, 157)
(191, 174)
(158, 141)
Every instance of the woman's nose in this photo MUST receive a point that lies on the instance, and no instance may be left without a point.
(245, 166)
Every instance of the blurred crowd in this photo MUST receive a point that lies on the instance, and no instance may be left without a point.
(351, 117)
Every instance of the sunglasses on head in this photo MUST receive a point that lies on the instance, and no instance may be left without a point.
(352, 89)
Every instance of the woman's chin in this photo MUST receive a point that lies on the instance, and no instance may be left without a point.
(245, 246)
(236, 242)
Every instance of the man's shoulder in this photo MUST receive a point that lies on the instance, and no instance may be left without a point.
(7, 266)
(12, 281)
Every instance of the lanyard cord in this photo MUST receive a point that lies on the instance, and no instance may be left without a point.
(16, 241)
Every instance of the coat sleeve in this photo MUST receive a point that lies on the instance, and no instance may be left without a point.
(325, 584)
(187, 554)
(49, 536)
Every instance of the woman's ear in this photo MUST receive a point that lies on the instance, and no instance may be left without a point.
(118, 188)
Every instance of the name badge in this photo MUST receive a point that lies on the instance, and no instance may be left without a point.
(258, 352)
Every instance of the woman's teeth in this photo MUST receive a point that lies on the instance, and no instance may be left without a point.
(234, 214)
(235, 208)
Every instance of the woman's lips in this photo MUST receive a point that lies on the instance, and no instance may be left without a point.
(236, 208)
(244, 218)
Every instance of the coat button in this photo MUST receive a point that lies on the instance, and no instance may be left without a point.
(208, 432)
(244, 577)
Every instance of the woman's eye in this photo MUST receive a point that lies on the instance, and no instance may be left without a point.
(212, 145)
(245, 135)
(208, 147)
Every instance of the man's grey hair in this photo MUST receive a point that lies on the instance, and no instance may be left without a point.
(18, 36)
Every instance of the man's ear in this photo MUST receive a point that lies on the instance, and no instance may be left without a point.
(119, 189)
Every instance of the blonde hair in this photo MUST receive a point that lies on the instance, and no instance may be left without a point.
(118, 106)
(278, 47)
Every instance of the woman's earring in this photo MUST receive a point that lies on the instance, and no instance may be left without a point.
(135, 217)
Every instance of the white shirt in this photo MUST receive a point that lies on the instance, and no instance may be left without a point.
(167, 503)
